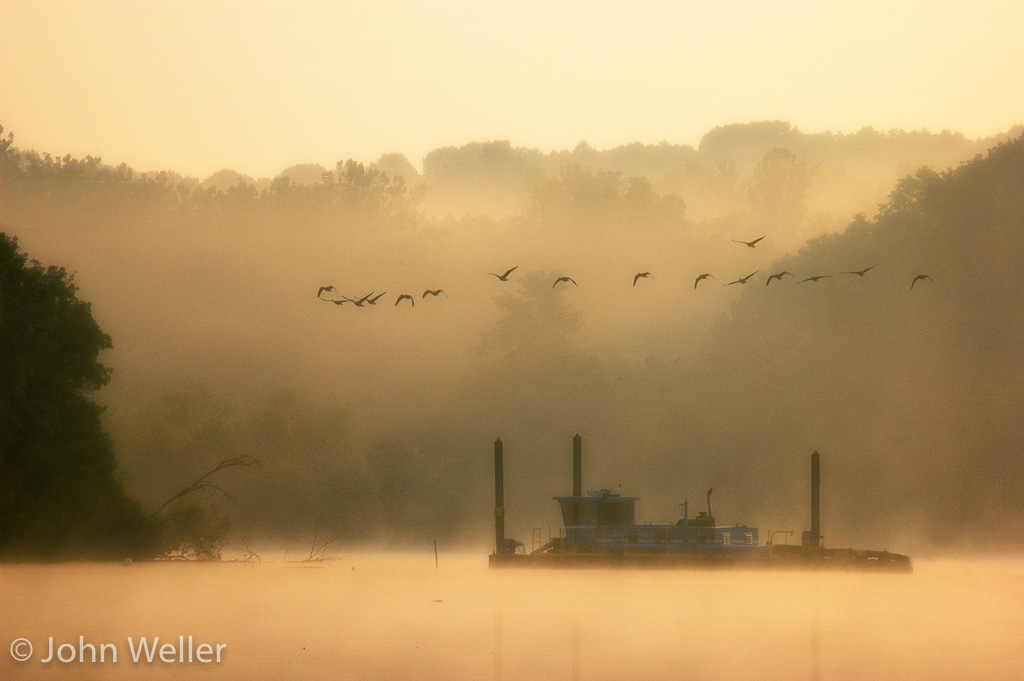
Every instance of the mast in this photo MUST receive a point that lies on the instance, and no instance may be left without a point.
(499, 497)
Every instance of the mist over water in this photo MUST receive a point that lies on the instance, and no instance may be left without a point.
(396, 616)
(373, 427)
(856, 294)
(375, 423)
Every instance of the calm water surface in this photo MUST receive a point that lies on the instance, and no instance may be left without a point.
(399, 617)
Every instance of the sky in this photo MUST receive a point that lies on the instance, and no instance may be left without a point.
(197, 86)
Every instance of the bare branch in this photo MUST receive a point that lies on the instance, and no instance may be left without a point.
(202, 483)
(318, 552)
(249, 553)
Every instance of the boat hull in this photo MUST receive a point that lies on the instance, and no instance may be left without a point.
(779, 557)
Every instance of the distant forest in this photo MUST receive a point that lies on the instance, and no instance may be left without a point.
(376, 429)
(769, 169)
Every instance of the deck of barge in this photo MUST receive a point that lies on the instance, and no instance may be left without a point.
(601, 532)
(779, 558)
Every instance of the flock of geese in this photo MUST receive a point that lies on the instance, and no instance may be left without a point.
(373, 297)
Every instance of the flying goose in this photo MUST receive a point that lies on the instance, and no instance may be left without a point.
(504, 277)
(920, 277)
(749, 244)
(861, 273)
(359, 303)
(742, 280)
(640, 275)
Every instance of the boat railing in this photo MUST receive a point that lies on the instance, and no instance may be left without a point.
(632, 539)
(654, 539)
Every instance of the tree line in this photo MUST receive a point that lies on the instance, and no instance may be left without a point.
(52, 432)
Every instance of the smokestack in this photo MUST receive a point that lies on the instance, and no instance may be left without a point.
(577, 466)
(815, 500)
(499, 496)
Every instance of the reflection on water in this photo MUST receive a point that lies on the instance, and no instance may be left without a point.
(397, 617)
(498, 642)
(575, 645)
(816, 635)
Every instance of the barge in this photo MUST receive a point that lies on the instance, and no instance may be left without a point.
(600, 530)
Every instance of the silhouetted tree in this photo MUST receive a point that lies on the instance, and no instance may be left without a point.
(482, 177)
(397, 164)
(59, 494)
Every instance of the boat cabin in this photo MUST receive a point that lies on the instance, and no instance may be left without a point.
(605, 521)
(599, 509)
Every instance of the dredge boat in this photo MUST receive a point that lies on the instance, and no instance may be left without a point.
(600, 530)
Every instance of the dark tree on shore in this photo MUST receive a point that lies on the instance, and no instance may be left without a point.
(59, 492)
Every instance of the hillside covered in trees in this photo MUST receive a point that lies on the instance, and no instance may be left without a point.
(373, 423)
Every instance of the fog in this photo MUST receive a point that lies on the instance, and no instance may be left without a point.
(375, 423)
(392, 617)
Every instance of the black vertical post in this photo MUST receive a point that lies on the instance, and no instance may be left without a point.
(815, 500)
(499, 497)
(577, 466)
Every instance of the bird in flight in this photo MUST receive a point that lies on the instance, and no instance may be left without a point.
(338, 302)
(561, 279)
(324, 288)
(861, 273)
(640, 275)
(815, 278)
(742, 280)
(749, 244)
(434, 293)
(373, 301)
(504, 277)
(359, 303)
(701, 278)
(777, 276)
(920, 277)
(405, 296)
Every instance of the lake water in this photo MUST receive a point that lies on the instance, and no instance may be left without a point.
(398, 617)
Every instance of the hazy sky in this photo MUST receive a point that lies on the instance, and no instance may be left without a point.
(195, 86)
